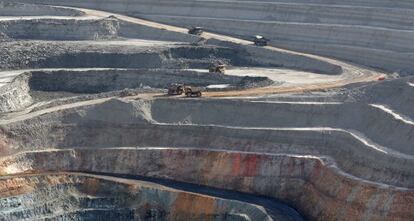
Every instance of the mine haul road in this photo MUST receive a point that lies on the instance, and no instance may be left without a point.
(351, 73)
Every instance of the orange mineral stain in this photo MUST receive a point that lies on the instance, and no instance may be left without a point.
(191, 205)
(236, 164)
(250, 166)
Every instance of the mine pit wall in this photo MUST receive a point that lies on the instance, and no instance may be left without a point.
(82, 55)
(96, 198)
(52, 54)
(390, 61)
(60, 29)
(113, 80)
(15, 95)
(395, 93)
(283, 59)
(377, 125)
(317, 39)
(299, 13)
(268, 58)
(137, 31)
(268, 10)
(102, 60)
(134, 126)
(318, 190)
(87, 29)
(10, 8)
(385, 39)
(378, 3)
(308, 37)
(351, 155)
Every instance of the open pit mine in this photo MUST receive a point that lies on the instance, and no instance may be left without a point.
(210, 110)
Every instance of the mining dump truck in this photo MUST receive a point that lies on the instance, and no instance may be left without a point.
(221, 68)
(260, 40)
(193, 91)
(195, 31)
(176, 89)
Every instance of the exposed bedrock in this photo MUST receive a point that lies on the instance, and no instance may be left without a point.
(85, 29)
(123, 54)
(393, 94)
(70, 151)
(18, 94)
(329, 29)
(77, 196)
(381, 127)
(11, 8)
(98, 81)
(15, 95)
(42, 54)
(386, 39)
(379, 3)
(282, 58)
(111, 28)
(313, 185)
(119, 123)
(401, 18)
(344, 12)
(131, 30)
(116, 54)
(327, 40)
(138, 31)
(60, 29)
(386, 60)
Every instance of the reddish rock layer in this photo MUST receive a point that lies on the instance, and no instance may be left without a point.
(315, 186)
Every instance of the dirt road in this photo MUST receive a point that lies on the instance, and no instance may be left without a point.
(351, 73)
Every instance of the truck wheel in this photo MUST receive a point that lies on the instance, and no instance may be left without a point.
(199, 94)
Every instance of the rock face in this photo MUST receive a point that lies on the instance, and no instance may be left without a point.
(88, 197)
(11, 8)
(315, 186)
(15, 96)
(65, 29)
(111, 80)
(87, 131)
(379, 34)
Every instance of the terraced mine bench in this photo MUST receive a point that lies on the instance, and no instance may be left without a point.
(87, 132)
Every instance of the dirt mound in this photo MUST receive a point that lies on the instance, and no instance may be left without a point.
(120, 112)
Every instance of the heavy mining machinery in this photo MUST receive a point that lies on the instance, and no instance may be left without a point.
(221, 68)
(179, 89)
(176, 89)
(193, 91)
(260, 40)
(195, 31)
